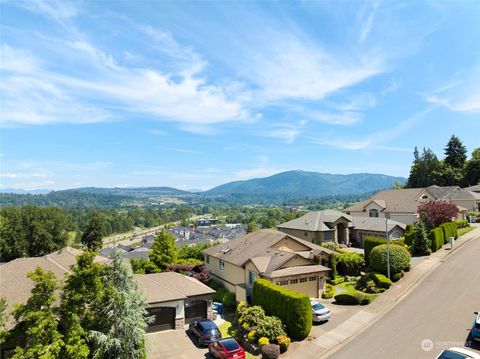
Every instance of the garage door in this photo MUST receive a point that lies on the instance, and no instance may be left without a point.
(164, 319)
(195, 310)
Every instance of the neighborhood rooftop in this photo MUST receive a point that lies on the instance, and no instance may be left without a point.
(315, 221)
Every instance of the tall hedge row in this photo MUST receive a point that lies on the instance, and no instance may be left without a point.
(437, 239)
(369, 243)
(293, 308)
(449, 230)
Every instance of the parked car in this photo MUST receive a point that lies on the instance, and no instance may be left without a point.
(458, 353)
(320, 313)
(205, 330)
(227, 348)
(476, 327)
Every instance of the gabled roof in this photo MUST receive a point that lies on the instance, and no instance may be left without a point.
(475, 188)
(257, 244)
(375, 224)
(319, 221)
(16, 287)
(289, 271)
(168, 286)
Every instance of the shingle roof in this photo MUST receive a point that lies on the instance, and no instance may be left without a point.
(396, 200)
(375, 224)
(167, 286)
(16, 287)
(257, 244)
(475, 188)
(318, 221)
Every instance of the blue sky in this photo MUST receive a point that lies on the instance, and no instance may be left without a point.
(195, 94)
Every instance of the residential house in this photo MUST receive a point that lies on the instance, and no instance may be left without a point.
(402, 204)
(173, 299)
(475, 188)
(276, 256)
(321, 226)
(375, 227)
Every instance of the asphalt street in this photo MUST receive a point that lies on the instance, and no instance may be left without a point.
(438, 314)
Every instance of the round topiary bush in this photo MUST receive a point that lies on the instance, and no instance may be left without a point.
(270, 351)
(399, 258)
(348, 298)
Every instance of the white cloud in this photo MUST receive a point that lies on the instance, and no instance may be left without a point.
(367, 23)
(343, 118)
(287, 132)
(22, 175)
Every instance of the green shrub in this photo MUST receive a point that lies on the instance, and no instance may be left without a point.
(350, 263)
(369, 244)
(382, 281)
(333, 246)
(373, 283)
(224, 296)
(293, 308)
(252, 336)
(270, 327)
(329, 291)
(397, 276)
(436, 238)
(348, 298)
(449, 230)
(241, 307)
(270, 351)
(252, 316)
(333, 266)
(284, 343)
(338, 279)
(409, 235)
(399, 258)
(263, 341)
(462, 223)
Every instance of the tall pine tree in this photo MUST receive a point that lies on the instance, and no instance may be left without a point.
(455, 153)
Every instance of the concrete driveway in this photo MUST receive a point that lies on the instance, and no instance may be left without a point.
(173, 344)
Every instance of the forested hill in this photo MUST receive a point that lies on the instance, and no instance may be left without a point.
(302, 184)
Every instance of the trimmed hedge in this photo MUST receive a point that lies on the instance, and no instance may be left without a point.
(329, 291)
(354, 298)
(399, 258)
(293, 308)
(373, 283)
(349, 263)
(437, 239)
(368, 244)
(462, 223)
(449, 230)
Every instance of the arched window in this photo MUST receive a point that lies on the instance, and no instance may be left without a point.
(373, 213)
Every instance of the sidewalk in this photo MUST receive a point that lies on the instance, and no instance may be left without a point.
(333, 340)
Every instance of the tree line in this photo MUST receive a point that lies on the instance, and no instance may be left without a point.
(453, 170)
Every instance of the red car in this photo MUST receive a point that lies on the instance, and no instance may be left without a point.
(227, 348)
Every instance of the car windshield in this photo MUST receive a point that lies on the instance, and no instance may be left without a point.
(207, 326)
(317, 307)
(448, 354)
(230, 344)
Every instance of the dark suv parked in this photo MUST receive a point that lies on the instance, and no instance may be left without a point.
(205, 330)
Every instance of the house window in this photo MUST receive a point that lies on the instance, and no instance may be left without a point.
(283, 282)
(252, 277)
(373, 213)
(312, 279)
(303, 280)
(221, 264)
(294, 281)
(207, 258)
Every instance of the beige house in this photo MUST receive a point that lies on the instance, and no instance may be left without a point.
(375, 227)
(401, 204)
(321, 226)
(279, 257)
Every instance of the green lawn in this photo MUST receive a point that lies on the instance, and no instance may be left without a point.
(349, 287)
(227, 331)
(465, 230)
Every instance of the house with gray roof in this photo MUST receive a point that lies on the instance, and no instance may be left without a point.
(279, 257)
(320, 226)
(402, 204)
(375, 227)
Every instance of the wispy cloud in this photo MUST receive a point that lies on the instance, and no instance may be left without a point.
(367, 21)
(287, 132)
(341, 118)
(462, 94)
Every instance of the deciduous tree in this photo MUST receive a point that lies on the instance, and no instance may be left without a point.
(93, 233)
(164, 252)
(434, 213)
(472, 169)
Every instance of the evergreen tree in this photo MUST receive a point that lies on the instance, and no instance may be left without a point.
(455, 153)
(121, 315)
(3, 319)
(39, 320)
(94, 231)
(472, 169)
(76, 346)
(421, 242)
(423, 169)
(252, 227)
(82, 288)
(164, 251)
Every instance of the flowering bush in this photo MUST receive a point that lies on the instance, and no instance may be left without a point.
(263, 341)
